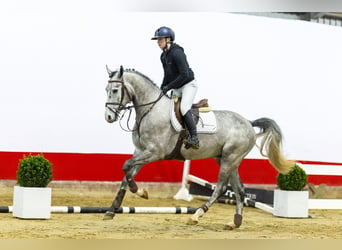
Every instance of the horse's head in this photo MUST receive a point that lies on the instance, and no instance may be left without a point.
(117, 95)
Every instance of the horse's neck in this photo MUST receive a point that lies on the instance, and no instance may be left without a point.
(144, 93)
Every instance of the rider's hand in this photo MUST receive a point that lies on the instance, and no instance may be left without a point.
(164, 89)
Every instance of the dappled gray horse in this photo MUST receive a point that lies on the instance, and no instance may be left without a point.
(155, 139)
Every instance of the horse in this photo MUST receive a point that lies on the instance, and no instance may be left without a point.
(155, 139)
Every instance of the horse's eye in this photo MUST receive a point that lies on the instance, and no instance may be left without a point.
(114, 91)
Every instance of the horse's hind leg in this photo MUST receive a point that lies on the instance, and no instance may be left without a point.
(228, 172)
(221, 187)
(239, 191)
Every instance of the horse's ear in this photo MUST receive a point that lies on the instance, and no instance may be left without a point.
(109, 71)
(121, 71)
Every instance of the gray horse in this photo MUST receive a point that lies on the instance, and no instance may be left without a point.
(155, 139)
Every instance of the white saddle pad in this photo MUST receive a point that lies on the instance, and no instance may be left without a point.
(206, 123)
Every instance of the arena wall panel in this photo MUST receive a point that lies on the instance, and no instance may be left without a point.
(108, 167)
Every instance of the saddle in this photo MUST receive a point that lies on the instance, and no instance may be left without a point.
(201, 107)
(204, 117)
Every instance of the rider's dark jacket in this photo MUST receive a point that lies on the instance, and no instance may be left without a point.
(177, 72)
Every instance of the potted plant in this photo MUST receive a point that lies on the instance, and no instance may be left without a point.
(32, 197)
(290, 200)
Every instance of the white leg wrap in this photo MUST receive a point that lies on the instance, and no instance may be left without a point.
(199, 213)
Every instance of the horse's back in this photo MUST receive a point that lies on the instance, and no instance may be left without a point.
(229, 119)
(235, 129)
(234, 132)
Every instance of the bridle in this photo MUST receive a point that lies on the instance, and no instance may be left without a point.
(130, 107)
(123, 90)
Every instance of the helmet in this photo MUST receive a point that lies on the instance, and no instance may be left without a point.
(164, 32)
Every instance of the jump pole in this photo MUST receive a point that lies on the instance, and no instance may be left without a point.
(249, 203)
(230, 200)
(121, 210)
(313, 203)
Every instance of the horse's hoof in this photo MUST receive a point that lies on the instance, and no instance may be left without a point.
(230, 227)
(108, 215)
(192, 222)
(143, 193)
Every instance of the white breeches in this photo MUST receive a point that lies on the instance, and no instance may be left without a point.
(187, 93)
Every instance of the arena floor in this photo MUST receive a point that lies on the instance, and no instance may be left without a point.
(257, 224)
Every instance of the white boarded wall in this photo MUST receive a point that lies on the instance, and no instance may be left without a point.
(53, 74)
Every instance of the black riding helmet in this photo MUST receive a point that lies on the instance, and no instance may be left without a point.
(164, 32)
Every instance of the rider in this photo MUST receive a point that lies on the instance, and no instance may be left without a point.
(179, 77)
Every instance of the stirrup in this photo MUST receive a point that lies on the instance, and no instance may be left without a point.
(191, 144)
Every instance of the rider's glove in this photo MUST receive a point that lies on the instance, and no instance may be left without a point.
(164, 89)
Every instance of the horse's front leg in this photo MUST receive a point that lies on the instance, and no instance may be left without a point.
(133, 187)
(132, 168)
(121, 193)
(117, 201)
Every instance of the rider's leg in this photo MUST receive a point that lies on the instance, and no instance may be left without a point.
(188, 95)
(192, 139)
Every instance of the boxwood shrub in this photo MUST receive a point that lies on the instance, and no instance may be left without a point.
(34, 171)
(294, 180)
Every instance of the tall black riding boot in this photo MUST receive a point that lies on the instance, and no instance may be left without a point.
(192, 139)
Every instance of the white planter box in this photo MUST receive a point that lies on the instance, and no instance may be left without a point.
(292, 204)
(32, 203)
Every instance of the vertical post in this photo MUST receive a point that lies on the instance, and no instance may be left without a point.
(183, 193)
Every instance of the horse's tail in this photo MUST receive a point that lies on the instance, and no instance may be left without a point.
(271, 142)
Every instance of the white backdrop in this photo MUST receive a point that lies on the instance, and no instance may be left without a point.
(53, 74)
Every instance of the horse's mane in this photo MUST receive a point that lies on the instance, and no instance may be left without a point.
(138, 73)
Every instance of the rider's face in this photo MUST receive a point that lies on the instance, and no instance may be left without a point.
(162, 42)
